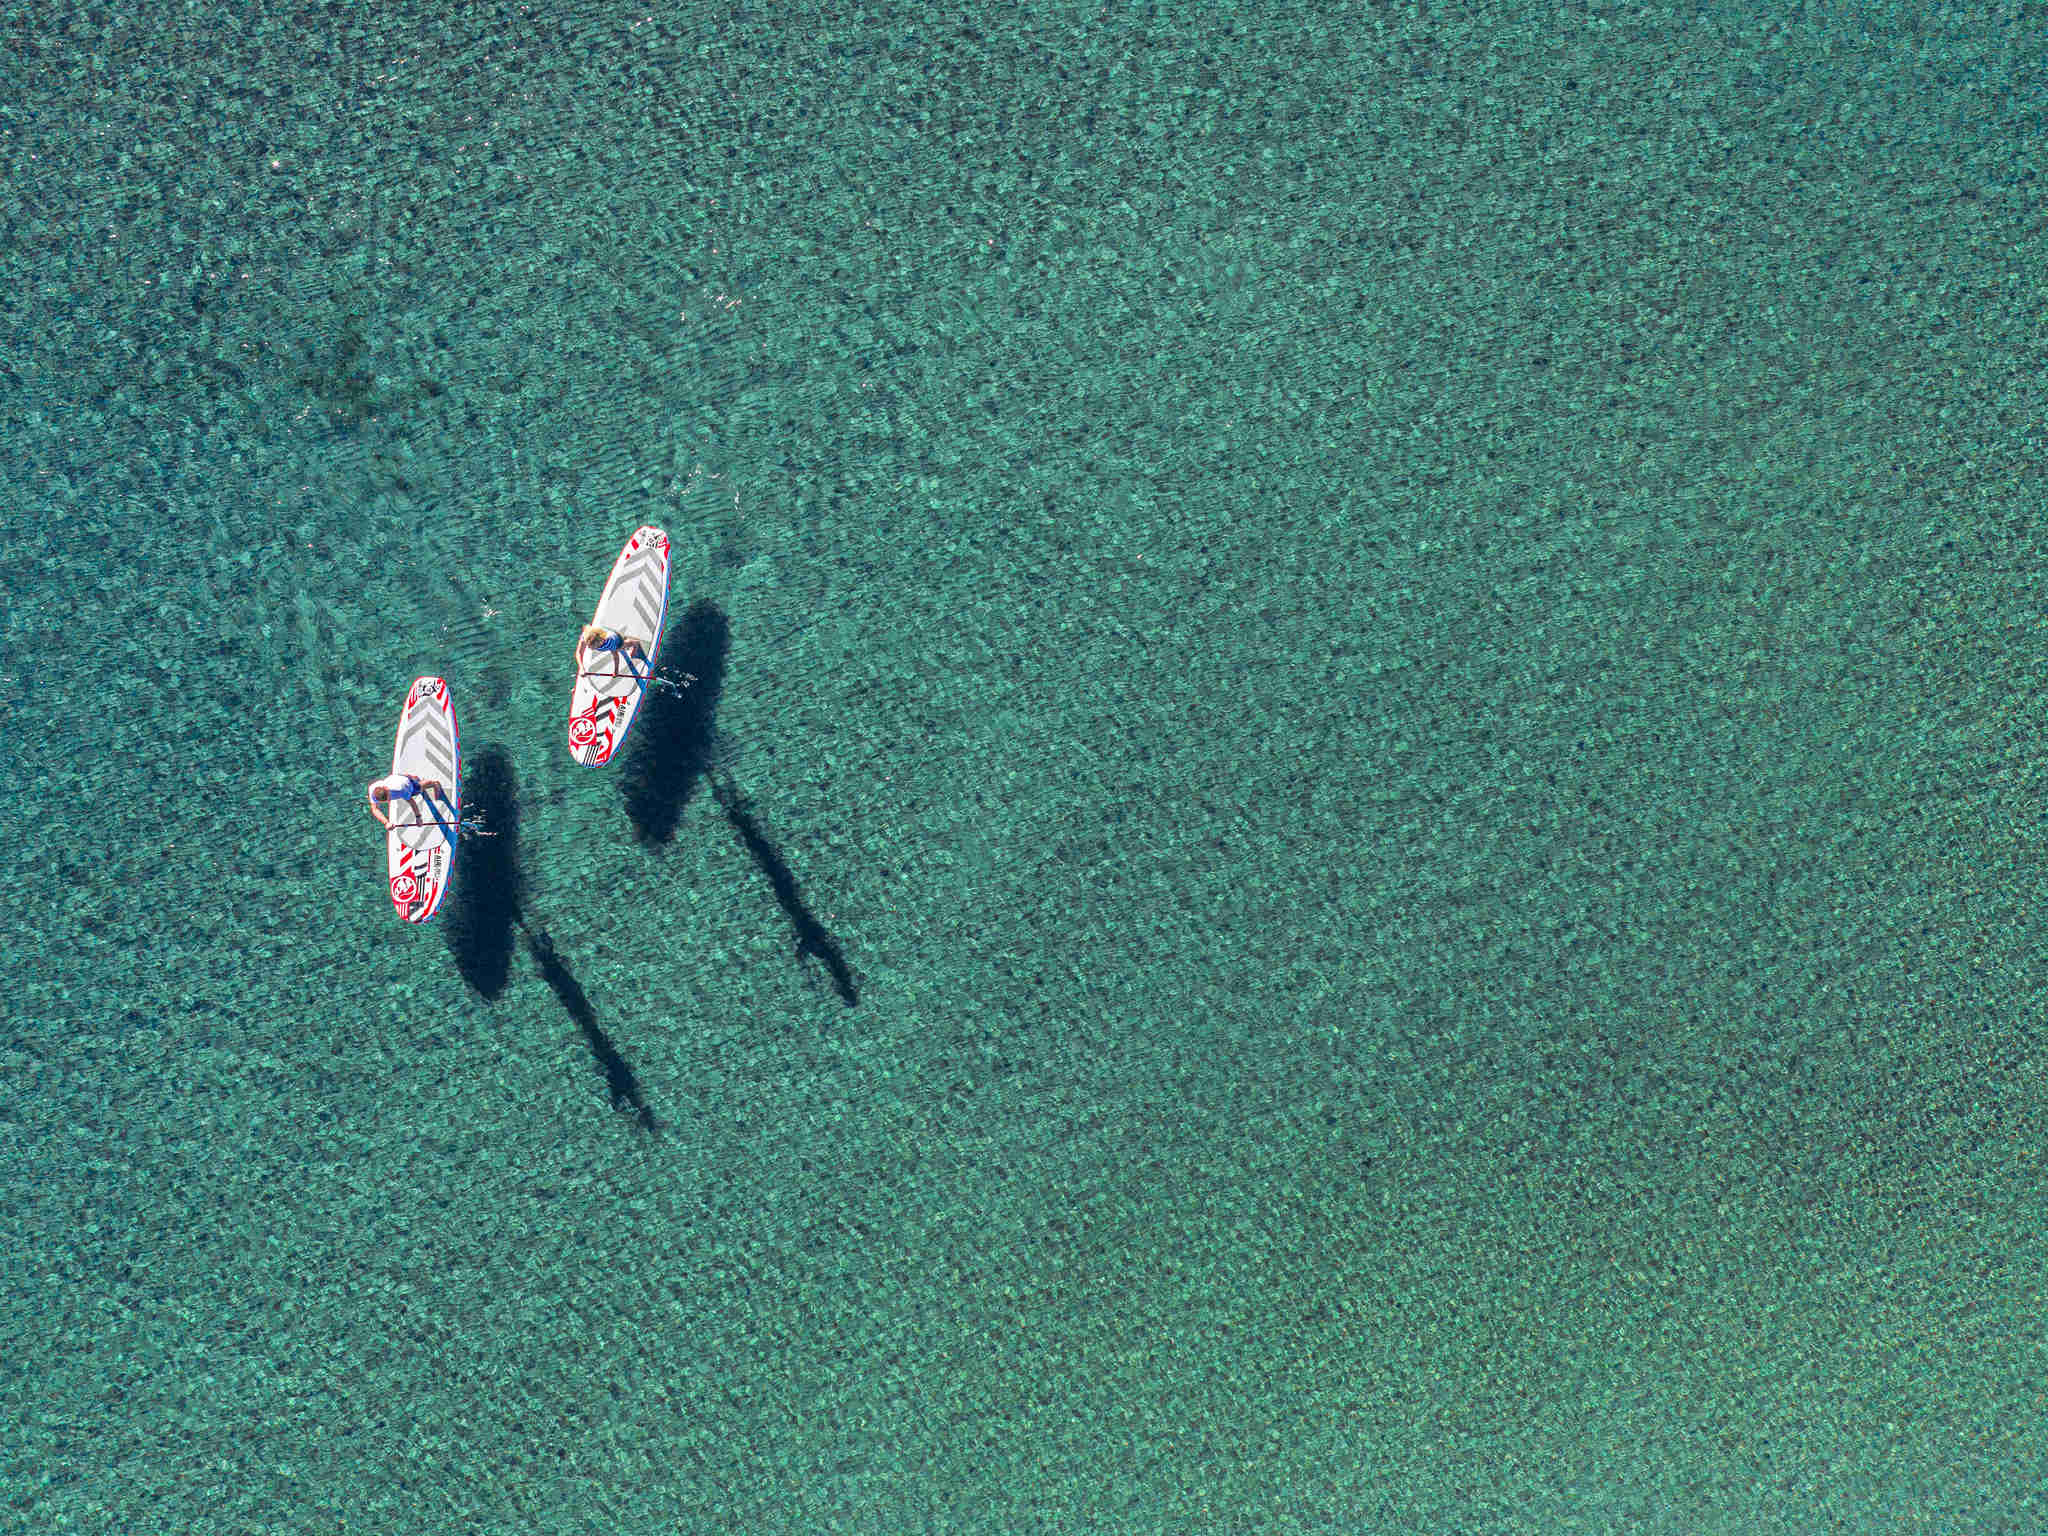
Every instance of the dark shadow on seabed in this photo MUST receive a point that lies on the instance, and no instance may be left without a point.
(671, 741)
(811, 937)
(618, 1073)
(484, 904)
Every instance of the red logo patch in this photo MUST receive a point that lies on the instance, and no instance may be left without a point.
(404, 890)
(582, 732)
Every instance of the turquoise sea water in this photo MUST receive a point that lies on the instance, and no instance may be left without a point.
(1357, 845)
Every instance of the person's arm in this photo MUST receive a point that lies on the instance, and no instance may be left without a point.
(382, 820)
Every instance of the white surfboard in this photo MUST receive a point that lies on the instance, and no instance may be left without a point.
(420, 846)
(611, 684)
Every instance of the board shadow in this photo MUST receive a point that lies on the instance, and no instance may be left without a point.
(671, 743)
(484, 904)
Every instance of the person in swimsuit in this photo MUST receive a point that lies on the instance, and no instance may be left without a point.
(400, 786)
(595, 638)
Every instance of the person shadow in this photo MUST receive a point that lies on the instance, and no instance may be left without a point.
(676, 745)
(619, 1077)
(487, 908)
(813, 941)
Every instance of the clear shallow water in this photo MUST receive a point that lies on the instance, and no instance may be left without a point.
(1400, 661)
